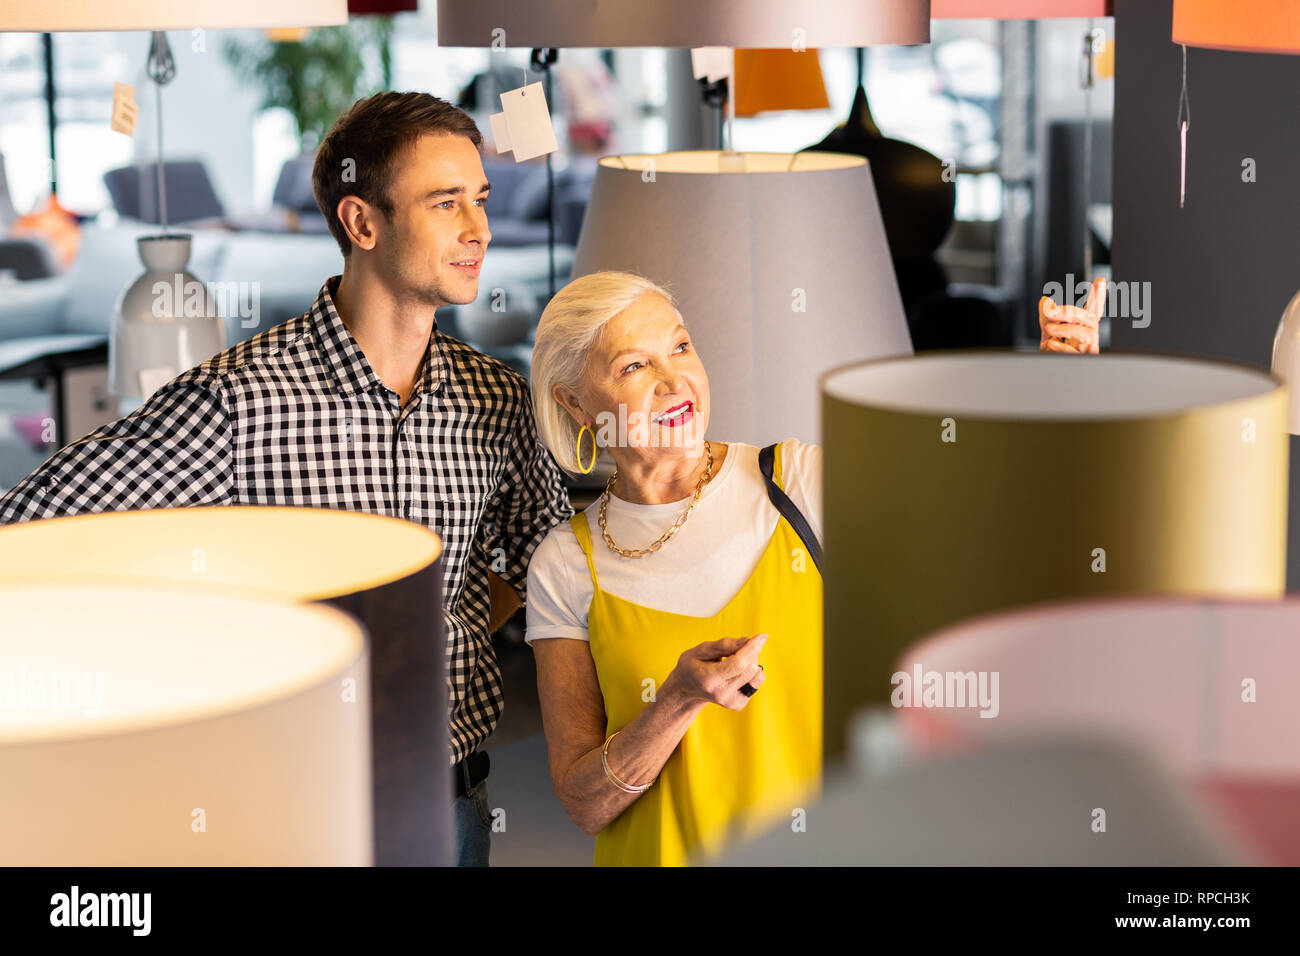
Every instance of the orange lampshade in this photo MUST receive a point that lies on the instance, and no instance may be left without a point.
(55, 224)
(1019, 9)
(779, 80)
(1260, 26)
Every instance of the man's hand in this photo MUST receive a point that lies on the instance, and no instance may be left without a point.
(504, 602)
(1069, 328)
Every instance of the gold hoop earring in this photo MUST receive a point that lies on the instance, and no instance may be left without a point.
(594, 450)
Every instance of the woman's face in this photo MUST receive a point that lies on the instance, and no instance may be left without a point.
(645, 387)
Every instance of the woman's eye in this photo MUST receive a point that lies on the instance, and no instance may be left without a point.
(634, 365)
(684, 345)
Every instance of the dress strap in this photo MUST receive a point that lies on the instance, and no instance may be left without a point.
(582, 530)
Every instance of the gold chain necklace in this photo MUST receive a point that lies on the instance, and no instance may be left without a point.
(681, 519)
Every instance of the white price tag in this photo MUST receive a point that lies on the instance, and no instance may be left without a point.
(529, 122)
(500, 132)
(712, 63)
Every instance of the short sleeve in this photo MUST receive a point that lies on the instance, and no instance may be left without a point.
(801, 473)
(559, 588)
(175, 450)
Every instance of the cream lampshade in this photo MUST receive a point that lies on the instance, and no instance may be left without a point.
(59, 16)
(958, 483)
(682, 23)
(781, 271)
(164, 726)
(1205, 686)
(383, 571)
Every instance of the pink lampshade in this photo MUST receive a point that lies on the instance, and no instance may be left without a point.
(1019, 9)
(1172, 675)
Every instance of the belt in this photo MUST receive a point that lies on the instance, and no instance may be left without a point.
(470, 772)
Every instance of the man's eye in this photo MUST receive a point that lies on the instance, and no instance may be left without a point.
(447, 203)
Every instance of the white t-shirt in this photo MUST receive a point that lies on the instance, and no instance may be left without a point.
(699, 571)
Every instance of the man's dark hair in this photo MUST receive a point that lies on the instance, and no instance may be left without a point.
(356, 157)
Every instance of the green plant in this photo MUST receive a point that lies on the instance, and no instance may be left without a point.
(318, 77)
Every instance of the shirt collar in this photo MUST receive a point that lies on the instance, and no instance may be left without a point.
(352, 370)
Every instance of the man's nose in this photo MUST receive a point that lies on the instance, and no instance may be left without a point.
(476, 227)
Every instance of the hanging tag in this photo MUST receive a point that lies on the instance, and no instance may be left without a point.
(528, 122)
(1182, 167)
(711, 63)
(500, 132)
(124, 109)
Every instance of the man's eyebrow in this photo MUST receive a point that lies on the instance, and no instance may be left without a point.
(455, 191)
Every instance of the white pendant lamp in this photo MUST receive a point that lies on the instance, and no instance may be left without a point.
(682, 23)
(165, 726)
(1286, 360)
(779, 265)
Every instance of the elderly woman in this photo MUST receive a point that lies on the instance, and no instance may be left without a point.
(679, 649)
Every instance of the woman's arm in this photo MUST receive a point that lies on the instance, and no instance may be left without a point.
(573, 717)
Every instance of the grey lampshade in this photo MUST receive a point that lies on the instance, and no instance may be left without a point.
(383, 571)
(162, 725)
(682, 23)
(1022, 803)
(781, 271)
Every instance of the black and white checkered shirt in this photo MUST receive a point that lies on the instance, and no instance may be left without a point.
(297, 416)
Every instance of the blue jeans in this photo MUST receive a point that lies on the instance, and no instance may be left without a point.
(472, 821)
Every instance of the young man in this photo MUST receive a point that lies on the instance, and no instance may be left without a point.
(400, 180)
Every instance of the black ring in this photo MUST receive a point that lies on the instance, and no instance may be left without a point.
(748, 691)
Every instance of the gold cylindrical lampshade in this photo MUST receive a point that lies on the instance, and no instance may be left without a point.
(164, 726)
(1257, 26)
(769, 80)
(382, 570)
(958, 483)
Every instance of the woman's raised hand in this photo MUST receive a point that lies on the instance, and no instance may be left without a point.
(1069, 328)
(716, 670)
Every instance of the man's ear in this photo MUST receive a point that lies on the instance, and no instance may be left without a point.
(358, 218)
(569, 399)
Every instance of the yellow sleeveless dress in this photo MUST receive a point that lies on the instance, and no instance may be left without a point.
(735, 773)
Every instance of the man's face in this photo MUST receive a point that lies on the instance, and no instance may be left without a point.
(432, 248)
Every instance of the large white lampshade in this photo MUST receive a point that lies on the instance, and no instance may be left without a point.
(162, 726)
(682, 23)
(382, 570)
(57, 16)
(781, 271)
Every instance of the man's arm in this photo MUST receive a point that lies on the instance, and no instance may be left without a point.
(175, 450)
(531, 499)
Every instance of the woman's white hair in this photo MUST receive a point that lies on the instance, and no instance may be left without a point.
(569, 328)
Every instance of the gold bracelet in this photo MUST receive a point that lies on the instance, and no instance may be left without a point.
(604, 762)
